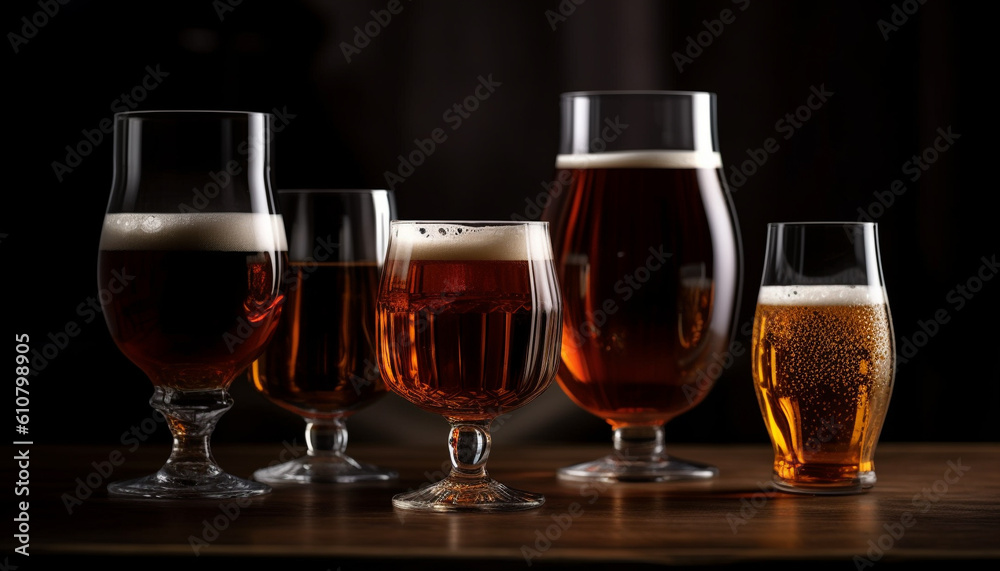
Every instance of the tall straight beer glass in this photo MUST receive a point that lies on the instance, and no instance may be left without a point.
(468, 328)
(193, 225)
(321, 362)
(648, 252)
(823, 354)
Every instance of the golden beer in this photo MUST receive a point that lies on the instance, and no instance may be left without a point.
(823, 368)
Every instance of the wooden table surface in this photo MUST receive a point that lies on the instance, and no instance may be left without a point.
(932, 502)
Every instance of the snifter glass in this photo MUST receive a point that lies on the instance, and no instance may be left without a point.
(468, 328)
(648, 253)
(321, 363)
(823, 354)
(193, 224)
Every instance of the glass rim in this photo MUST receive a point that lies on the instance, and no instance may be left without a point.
(472, 222)
(180, 112)
(597, 92)
(837, 223)
(321, 190)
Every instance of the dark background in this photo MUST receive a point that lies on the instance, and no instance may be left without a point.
(347, 122)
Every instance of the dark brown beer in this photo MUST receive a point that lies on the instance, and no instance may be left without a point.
(648, 261)
(823, 370)
(202, 294)
(469, 333)
(321, 361)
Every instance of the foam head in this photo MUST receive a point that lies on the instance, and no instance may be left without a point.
(457, 241)
(812, 295)
(205, 231)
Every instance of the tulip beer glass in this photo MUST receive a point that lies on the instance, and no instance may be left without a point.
(192, 221)
(823, 354)
(468, 328)
(320, 364)
(648, 253)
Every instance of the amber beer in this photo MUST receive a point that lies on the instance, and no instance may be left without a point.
(205, 297)
(321, 362)
(469, 318)
(648, 306)
(823, 368)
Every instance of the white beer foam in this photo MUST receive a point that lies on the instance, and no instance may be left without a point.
(214, 231)
(658, 159)
(456, 241)
(810, 295)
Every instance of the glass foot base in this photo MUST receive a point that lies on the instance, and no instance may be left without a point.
(818, 489)
(864, 481)
(475, 495)
(334, 469)
(164, 486)
(661, 468)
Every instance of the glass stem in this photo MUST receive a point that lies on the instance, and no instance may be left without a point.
(638, 442)
(326, 437)
(191, 416)
(469, 446)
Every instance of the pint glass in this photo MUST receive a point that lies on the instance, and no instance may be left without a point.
(823, 354)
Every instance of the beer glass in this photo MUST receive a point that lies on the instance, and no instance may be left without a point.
(648, 253)
(823, 354)
(192, 226)
(468, 328)
(321, 363)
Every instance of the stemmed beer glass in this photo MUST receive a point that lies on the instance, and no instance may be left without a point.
(648, 253)
(321, 363)
(192, 222)
(468, 328)
(823, 354)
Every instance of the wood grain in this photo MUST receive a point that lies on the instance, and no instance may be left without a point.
(932, 502)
